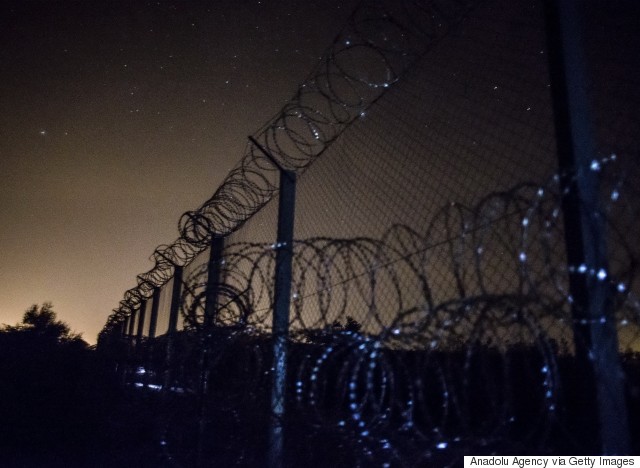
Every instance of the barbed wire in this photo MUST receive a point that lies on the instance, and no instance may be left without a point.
(455, 334)
(378, 45)
(468, 359)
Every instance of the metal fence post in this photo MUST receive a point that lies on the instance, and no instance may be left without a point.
(141, 317)
(281, 304)
(210, 310)
(176, 298)
(122, 365)
(282, 301)
(595, 333)
(132, 321)
(153, 320)
(131, 341)
(213, 279)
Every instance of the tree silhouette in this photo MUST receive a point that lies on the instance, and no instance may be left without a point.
(44, 372)
(40, 323)
(352, 325)
(336, 332)
(61, 404)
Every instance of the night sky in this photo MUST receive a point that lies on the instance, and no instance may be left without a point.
(118, 116)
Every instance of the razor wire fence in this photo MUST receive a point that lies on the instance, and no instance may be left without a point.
(432, 305)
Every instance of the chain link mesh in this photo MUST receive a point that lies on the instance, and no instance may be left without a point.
(431, 312)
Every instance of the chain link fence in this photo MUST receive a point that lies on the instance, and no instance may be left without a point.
(427, 302)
